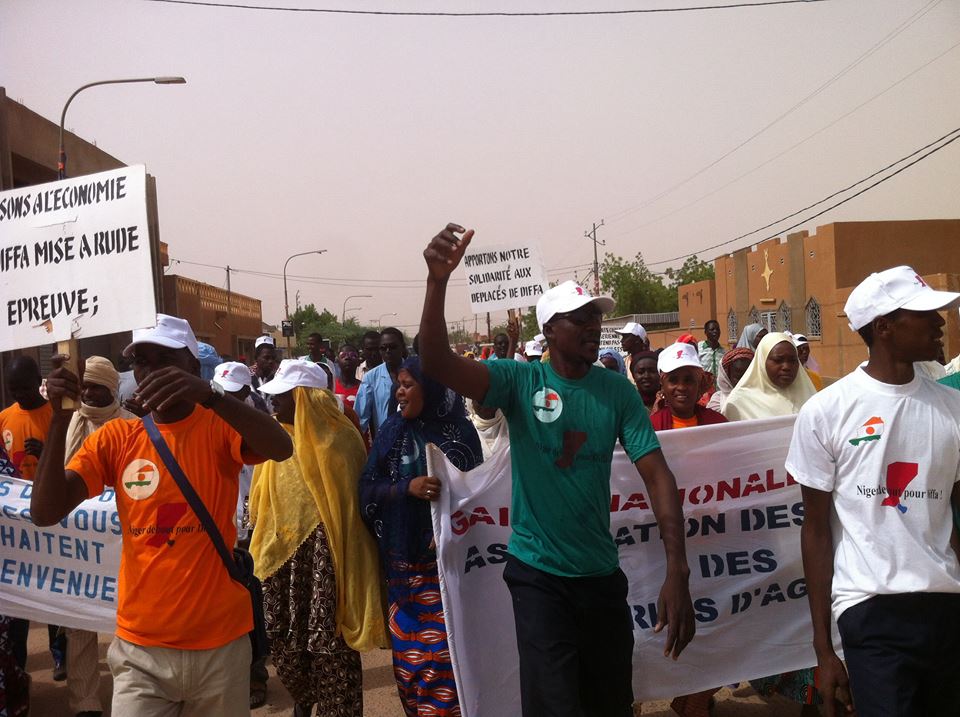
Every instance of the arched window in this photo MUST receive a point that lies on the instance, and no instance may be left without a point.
(754, 316)
(733, 330)
(814, 324)
(784, 318)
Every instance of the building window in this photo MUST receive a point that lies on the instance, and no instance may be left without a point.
(754, 316)
(784, 319)
(768, 320)
(732, 328)
(814, 325)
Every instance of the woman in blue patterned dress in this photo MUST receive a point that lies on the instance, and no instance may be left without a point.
(395, 495)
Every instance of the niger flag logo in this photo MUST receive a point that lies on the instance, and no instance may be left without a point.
(872, 430)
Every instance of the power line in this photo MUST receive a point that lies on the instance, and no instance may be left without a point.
(417, 284)
(953, 139)
(622, 214)
(791, 147)
(553, 13)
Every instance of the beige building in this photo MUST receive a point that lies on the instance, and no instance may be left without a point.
(800, 283)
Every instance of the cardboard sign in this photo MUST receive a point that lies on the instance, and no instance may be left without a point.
(75, 259)
(509, 276)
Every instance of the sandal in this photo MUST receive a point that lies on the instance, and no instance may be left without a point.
(258, 695)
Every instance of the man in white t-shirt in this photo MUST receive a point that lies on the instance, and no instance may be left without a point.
(878, 457)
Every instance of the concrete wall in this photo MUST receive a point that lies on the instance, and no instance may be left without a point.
(229, 323)
(698, 304)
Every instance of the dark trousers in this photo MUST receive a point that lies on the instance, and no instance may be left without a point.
(575, 639)
(903, 655)
(20, 631)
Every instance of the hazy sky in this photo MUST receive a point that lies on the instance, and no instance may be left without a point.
(364, 135)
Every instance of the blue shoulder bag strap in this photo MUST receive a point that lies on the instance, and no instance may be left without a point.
(193, 499)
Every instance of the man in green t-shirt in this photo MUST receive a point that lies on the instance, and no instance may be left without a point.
(574, 628)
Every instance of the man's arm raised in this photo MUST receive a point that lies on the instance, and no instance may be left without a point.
(465, 376)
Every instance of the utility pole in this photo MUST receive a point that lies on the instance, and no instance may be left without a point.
(229, 316)
(592, 235)
(489, 330)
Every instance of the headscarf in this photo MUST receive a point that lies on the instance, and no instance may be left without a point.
(88, 419)
(621, 366)
(209, 360)
(749, 336)
(756, 396)
(724, 386)
(401, 523)
(318, 484)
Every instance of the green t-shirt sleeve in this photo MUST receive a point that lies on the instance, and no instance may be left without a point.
(636, 432)
(953, 381)
(505, 377)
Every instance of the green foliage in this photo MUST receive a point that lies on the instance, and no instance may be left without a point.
(635, 288)
(693, 269)
(308, 320)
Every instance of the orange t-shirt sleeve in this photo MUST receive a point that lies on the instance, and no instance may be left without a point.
(95, 459)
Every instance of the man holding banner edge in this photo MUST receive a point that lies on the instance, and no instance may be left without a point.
(574, 629)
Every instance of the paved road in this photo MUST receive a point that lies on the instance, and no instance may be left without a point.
(379, 692)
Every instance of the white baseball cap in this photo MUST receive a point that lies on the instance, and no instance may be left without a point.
(798, 339)
(540, 339)
(676, 356)
(533, 348)
(265, 339)
(232, 375)
(632, 327)
(568, 296)
(170, 332)
(293, 373)
(898, 288)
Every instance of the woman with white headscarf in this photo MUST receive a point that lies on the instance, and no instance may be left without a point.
(776, 385)
(773, 385)
(751, 336)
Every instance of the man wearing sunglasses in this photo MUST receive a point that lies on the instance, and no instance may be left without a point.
(574, 628)
(377, 387)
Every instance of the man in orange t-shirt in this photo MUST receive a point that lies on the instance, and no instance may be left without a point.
(181, 645)
(23, 427)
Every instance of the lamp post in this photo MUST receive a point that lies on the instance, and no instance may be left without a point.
(286, 301)
(343, 313)
(62, 157)
(380, 318)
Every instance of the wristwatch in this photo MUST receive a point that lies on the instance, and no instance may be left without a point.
(216, 393)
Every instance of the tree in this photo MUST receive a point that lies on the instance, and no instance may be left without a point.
(634, 287)
(692, 270)
(307, 320)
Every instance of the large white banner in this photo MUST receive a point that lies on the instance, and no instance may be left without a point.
(65, 574)
(743, 545)
(75, 259)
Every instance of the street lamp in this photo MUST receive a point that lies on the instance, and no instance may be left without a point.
(379, 325)
(62, 158)
(343, 313)
(286, 301)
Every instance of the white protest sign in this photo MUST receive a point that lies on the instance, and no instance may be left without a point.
(75, 259)
(508, 276)
(743, 546)
(65, 574)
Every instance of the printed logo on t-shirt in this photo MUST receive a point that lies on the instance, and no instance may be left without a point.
(547, 405)
(869, 431)
(896, 487)
(140, 479)
(8, 439)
